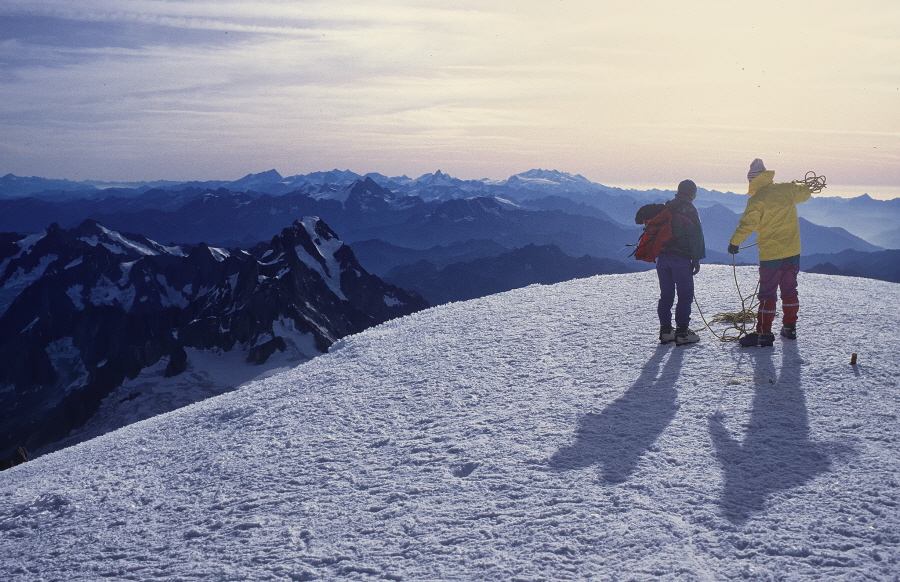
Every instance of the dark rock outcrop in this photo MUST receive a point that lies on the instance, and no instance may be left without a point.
(82, 310)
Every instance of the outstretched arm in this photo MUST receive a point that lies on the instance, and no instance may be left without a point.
(747, 224)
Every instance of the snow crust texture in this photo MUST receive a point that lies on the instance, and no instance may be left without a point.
(539, 434)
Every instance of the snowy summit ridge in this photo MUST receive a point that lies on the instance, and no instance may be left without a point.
(535, 434)
(82, 310)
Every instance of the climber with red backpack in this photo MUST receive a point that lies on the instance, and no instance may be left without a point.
(673, 239)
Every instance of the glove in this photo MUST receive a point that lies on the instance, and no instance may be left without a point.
(733, 249)
(696, 267)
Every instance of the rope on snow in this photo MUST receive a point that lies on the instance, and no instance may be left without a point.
(738, 319)
(747, 315)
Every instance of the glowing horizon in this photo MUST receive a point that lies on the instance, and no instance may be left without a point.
(648, 92)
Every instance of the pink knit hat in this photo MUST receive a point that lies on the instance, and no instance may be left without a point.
(757, 167)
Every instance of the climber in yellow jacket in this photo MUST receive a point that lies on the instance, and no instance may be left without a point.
(772, 213)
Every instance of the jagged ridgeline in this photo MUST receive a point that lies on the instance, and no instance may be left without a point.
(82, 310)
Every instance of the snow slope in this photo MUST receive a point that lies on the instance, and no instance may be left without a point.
(539, 434)
(209, 373)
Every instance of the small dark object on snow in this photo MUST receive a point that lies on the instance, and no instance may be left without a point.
(852, 359)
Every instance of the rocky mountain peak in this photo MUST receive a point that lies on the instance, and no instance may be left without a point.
(111, 304)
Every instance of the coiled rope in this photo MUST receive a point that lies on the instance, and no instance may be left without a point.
(738, 320)
(815, 183)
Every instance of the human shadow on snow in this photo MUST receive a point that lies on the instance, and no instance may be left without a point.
(776, 453)
(618, 436)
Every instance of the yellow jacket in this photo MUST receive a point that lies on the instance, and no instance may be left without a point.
(772, 213)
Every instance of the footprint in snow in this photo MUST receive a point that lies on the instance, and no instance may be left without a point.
(464, 470)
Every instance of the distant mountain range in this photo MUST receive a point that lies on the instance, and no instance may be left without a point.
(878, 221)
(873, 220)
(884, 265)
(539, 207)
(84, 309)
(529, 265)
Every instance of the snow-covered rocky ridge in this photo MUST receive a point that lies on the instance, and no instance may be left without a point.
(86, 309)
(538, 434)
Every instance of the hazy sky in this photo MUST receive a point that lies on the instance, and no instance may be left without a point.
(644, 92)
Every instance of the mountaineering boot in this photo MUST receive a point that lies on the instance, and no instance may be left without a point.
(790, 306)
(789, 331)
(765, 315)
(763, 336)
(685, 336)
(762, 340)
(666, 334)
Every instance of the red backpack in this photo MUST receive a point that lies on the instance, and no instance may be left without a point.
(657, 232)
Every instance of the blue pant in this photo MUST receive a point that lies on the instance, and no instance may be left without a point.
(675, 277)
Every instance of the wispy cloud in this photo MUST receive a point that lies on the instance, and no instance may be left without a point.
(218, 89)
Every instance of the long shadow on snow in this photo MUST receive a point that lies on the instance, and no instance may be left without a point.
(776, 453)
(617, 437)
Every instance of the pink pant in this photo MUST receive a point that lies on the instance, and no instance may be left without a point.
(784, 277)
(771, 280)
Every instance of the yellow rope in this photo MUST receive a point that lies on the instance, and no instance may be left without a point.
(815, 183)
(747, 315)
(738, 320)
